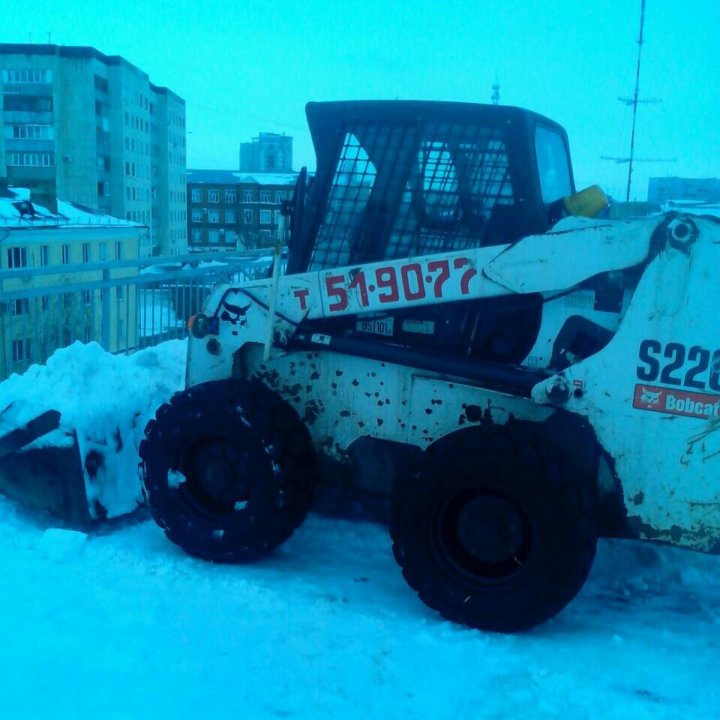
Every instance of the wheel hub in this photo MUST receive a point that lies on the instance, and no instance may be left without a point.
(490, 528)
(217, 474)
(486, 535)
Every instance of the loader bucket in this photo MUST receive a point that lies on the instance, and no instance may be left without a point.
(48, 478)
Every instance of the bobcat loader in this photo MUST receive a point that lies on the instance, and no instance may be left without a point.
(457, 335)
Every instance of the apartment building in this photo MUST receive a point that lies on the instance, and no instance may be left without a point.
(56, 268)
(93, 129)
(267, 153)
(230, 210)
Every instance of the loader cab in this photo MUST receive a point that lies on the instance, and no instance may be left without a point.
(396, 179)
(406, 179)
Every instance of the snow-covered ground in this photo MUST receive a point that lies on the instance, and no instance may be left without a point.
(121, 624)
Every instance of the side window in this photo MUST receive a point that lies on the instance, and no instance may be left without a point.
(439, 182)
(553, 165)
(351, 185)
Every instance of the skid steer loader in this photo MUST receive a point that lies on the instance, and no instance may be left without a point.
(454, 333)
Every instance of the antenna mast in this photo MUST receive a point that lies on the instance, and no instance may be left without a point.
(635, 100)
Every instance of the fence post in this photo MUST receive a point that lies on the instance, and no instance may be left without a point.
(106, 312)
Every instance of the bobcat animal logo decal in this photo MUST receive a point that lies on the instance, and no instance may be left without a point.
(650, 398)
(235, 315)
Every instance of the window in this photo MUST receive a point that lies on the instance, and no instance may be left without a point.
(119, 292)
(276, 217)
(248, 216)
(44, 302)
(247, 196)
(118, 250)
(17, 257)
(265, 217)
(197, 214)
(20, 306)
(30, 159)
(86, 297)
(28, 103)
(265, 196)
(101, 84)
(21, 350)
(230, 196)
(553, 165)
(196, 235)
(31, 132)
(214, 236)
(213, 196)
(102, 248)
(214, 216)
(27, 75)
(44, 254)
(65, 254)
(230, 216)
(86, 252)
(87, 335)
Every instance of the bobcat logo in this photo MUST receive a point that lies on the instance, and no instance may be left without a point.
(649, 398)
(235, 315)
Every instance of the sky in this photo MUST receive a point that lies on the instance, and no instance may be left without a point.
(249, 67)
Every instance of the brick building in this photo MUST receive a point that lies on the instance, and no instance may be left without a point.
(230, 210)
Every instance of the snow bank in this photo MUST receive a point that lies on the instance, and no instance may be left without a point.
(106, 400)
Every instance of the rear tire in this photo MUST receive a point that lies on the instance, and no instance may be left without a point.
(228, 470)
(496, 530)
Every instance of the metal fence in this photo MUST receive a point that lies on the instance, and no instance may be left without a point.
(123, 305)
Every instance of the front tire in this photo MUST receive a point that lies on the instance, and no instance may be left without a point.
(496, 530)
(228, 470)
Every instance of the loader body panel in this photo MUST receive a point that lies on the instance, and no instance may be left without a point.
(653, 395)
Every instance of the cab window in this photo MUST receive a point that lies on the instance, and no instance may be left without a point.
(553, 165)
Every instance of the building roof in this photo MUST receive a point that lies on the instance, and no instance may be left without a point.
(231, 177)
(79, 51)
(19, 211)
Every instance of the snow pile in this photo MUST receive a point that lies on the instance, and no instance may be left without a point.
(107, 401)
